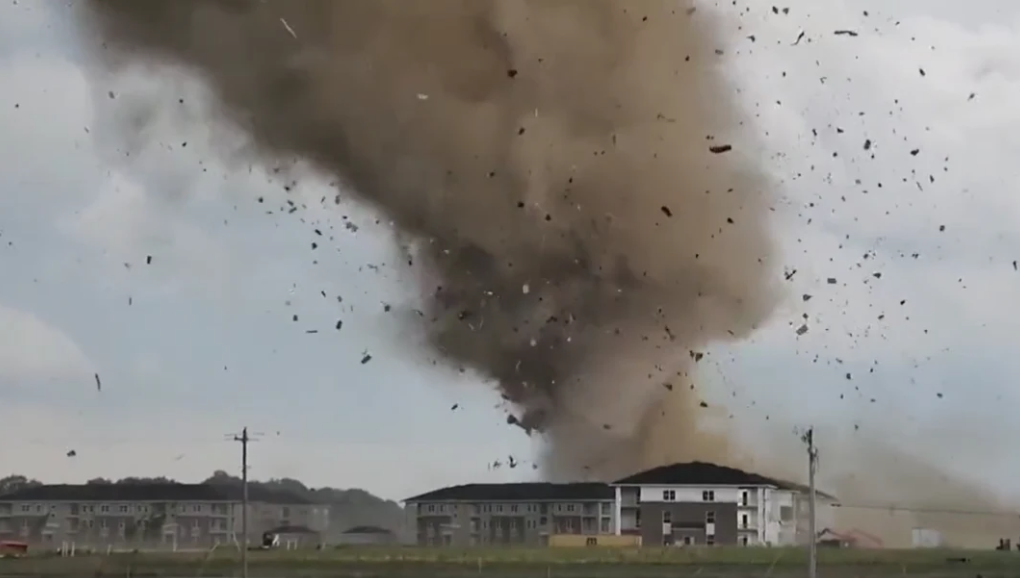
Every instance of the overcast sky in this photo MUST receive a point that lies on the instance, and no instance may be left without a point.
(914, 340)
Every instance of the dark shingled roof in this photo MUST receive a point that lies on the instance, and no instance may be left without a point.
(522, 492)
(706, 474)
(149, 493)
(367, 530)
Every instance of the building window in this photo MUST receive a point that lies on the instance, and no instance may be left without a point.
(669, 495)
(104, 509)
(543, 521)
(431, 508)
(710, 540)
(708, 496)
(743, 540)
(710, 517)
(26, 508)
(124, 509)
(688, 540)
(743, 521)
(499, 509)
(667, 517)
(570, 507)
(743, 498)
(604, 526)
(513, 509)
(606, 508)
(786, 513)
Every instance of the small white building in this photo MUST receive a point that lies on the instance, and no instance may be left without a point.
(699, 503)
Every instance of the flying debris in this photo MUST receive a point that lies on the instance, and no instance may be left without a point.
(516, 226)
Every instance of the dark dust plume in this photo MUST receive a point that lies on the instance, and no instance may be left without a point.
(557, 162)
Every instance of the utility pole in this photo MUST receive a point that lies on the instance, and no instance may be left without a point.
(809, 439)
(244, 439)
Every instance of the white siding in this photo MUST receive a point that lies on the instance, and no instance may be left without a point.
(690, 493)
(618, 516)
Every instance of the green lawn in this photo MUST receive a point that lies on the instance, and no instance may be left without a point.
(526, 562)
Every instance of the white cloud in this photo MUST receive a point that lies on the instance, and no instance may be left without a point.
(31, 349)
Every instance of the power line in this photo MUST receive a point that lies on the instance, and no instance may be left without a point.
(925, 510)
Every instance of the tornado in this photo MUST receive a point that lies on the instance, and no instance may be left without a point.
(585, 203)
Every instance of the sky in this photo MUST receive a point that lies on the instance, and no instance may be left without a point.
(177, 274)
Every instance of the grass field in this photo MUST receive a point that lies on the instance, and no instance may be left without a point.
(365, 562)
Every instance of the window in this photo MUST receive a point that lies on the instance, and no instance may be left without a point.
(710, 517)
(604, 526)
(123, 509)
(513, 509)
(26, 508)
(667, 517)
(688, 540)
(708, 496)
(710, 540)
(499, 509)
(606, 508)
(743, 540)
(743, 498)
(743, 520)
(786, 513)
(570, 507)
(104, 509)
(543, 521)
(669, 495)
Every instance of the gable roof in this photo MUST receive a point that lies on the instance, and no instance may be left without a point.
(520, 492)
(707, 474)
(158, 492)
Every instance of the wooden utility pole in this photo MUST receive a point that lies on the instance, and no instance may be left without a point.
(809, 439)
(244, 440)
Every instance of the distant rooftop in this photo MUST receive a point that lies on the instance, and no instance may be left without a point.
(707, 474)
(141, 492)
(681, 474)
(527, 491)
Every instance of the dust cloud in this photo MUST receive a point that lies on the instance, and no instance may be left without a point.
(586, 208)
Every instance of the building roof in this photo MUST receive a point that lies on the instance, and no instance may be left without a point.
(140, 492)
(520, 492)
(367, 530)
(291, 530)
(706, 474)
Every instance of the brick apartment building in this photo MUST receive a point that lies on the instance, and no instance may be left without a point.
(150, 515)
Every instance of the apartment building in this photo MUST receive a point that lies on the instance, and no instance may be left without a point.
(150, 515)
(699, 503)
(510, 514)
(693, 503)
